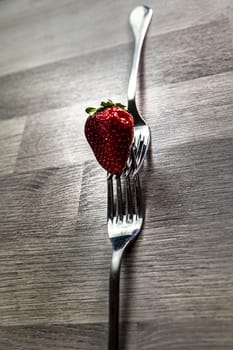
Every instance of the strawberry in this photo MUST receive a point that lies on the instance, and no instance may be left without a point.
(109, 131)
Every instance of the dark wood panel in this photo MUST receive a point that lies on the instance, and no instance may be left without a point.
(172, 57)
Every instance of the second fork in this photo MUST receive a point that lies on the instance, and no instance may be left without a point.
(125, 220)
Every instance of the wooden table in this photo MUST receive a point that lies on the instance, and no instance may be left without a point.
(58, 57)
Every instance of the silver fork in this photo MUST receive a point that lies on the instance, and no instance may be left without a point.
(125, 220)
(139, 20)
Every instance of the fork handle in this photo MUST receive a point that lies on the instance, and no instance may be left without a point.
(114, 288)
(139, 20)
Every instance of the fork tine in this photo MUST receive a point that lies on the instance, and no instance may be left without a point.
(138, 197)
(138, 142)
(110, 198)
(136, 188)
(134, 195)
(129, 200)
(140, 148)
(119, 199)
(133, 160)
(143, 152)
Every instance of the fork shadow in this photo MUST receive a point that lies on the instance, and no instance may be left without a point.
(131, 270)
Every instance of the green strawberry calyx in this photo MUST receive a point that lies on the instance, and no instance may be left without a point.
(103, 105)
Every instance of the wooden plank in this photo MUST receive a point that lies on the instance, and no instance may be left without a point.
(189, 333)
(172, 57)
(61, 29)
(11, 132)
(54, 138)
(188, 184)
(38, 241)
(176, 113)
(85, 336)
(184, 256)
(189, 111)
(78, 337)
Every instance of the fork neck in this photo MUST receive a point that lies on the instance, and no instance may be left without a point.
(139, 36)
(132, 108)
(134, 72)
(116, 260)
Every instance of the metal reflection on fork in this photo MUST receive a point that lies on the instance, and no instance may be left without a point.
(139, 21)
(125, 220)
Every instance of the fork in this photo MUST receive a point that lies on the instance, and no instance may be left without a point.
(139, 19)
(125, 220)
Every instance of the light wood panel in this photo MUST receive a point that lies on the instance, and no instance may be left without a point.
(175, 113)
(189, 111)
(54, 138)
(188, 333)
(72, 337)
(184, 255)
(38, 218)
(61, 29)
(56, 337)
(11, 132)
(172, 57)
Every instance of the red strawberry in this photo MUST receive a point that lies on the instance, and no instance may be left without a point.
(109, 131)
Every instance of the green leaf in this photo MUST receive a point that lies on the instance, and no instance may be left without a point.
(91, 110)
(103, 105)
(109, 103)
(120, 105)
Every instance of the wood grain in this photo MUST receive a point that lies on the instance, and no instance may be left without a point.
(58, 58)
(72, 337)
(11, 133)
(184, 256)
(171, 57)
(200, 333)
(189, 111)
(61, 29)
(35, 231)
(188, 227)
(175, 113)
(54, 138)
